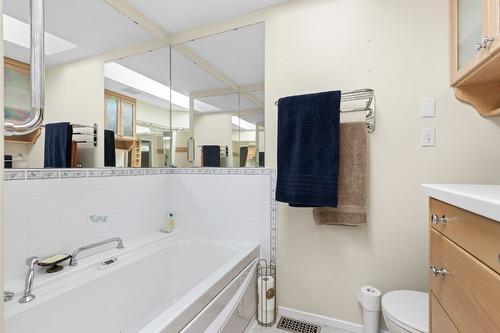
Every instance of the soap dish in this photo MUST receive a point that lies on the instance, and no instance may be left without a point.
(53, 262)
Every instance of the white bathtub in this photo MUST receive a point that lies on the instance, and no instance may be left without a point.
(166, 283)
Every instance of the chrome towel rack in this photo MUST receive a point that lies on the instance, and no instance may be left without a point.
(224, 150)
(93, 134)
(359, 95)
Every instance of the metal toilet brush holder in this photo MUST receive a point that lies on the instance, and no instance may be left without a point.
(266, 293)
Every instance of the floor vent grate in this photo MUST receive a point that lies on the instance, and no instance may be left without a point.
(297, 326)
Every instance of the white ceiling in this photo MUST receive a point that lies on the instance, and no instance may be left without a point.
(229, 102)
(253, 118)
(239, 54)
(95, 28)
(175, 15)
(92, 25)
(186, 75)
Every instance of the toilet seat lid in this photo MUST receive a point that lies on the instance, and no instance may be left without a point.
(411, 308)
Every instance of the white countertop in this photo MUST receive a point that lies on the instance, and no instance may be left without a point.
(480, 199)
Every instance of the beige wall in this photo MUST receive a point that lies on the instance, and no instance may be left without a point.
(400, 49)
(213, 129)
(75, 92)
(160, 116)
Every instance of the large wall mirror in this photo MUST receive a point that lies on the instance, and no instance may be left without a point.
(196, 104)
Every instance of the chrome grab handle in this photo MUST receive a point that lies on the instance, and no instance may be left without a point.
(119, 245)
(439, 219)
(441, 272)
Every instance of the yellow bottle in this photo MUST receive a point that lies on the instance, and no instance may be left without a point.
(169, 225)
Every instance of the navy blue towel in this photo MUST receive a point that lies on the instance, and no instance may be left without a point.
(57, 151)
(7, 161)
(109, 149)
(262, 156)
(211, 156)
(308, 149)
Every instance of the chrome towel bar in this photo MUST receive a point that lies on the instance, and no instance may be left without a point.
(359, 95)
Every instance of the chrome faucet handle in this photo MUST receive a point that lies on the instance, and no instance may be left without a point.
(28, 284)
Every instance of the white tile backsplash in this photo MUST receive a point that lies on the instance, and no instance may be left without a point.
(48, 212)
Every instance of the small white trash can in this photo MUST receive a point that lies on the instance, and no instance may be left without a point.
(369, 297)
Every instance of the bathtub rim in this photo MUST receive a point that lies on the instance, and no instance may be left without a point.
(49, 286)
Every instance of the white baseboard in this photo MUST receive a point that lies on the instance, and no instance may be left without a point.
(322, 320)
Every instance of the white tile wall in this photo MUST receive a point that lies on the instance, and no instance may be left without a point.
(228, 206)
(48, 216)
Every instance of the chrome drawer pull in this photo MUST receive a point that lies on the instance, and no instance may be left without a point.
(485, 42)
(441, 272)
(438, 219)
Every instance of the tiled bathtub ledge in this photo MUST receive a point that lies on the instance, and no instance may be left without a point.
(37, 174)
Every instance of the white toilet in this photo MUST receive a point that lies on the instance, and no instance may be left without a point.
(406, 311)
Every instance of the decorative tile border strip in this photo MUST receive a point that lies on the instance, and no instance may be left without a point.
(72, 173)
(52, 174)
(42, 174)
(14, 175)
(37, 174)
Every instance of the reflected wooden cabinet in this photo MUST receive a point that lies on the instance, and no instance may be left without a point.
(120, 115)
(475, 53)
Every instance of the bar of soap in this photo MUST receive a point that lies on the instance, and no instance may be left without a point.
(54, 259)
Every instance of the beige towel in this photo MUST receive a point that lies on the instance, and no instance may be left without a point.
(353, 172)
(74, 154)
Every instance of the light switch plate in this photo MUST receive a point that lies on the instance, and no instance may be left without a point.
(427, 137)
(428, 107)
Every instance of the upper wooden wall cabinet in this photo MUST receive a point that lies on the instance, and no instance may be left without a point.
(475, 53)
(119, 114)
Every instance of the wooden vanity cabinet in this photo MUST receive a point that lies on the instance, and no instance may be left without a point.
(464, 271)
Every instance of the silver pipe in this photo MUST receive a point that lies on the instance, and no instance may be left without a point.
(37, 72)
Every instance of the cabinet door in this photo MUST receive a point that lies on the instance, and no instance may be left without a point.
(127, 125)
(440, 322)
(495, 25)
(112, 113)
(469, 291)
(469, 24)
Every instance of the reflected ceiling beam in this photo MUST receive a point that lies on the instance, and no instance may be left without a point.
(197, 59)
(164, 37)
(140, 19)
(133, 50)
(212, 70)
(232, 23)
(227, 91)
(245, 112)
(253, 99)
